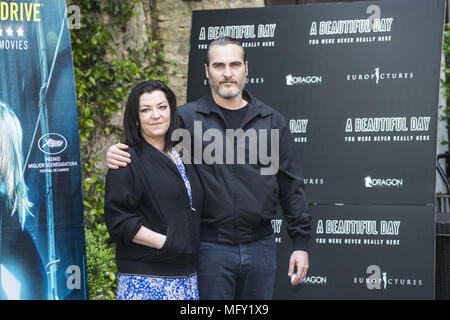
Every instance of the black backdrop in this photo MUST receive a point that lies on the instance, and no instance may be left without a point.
(362, 107)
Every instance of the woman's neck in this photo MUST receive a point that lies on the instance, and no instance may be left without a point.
(156, 143)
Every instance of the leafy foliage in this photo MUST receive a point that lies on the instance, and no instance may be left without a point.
(107, 64)
(446, 83)
(100, 266)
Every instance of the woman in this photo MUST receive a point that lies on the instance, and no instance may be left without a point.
(11, 176)
(153, 206)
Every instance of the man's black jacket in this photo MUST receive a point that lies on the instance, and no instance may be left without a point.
(239, 200)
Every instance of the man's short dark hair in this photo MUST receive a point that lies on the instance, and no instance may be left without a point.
(223, 41)
(132, 132)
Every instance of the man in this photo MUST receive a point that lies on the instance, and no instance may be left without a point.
(237, 258)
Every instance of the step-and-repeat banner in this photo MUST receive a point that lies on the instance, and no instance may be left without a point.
(359, 84)
(42, 244)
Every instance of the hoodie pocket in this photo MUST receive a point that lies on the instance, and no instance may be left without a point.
(178, 244)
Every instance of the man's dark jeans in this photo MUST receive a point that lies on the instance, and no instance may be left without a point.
(244, 272)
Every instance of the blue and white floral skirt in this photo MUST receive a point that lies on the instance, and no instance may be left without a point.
(136, 287)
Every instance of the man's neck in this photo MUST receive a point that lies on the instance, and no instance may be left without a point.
(233, 104)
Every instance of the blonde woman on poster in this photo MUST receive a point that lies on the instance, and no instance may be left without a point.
(21, 273)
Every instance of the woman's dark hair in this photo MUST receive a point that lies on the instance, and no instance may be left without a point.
(133, 135)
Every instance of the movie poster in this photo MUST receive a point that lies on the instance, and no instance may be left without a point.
(358, 84)
(42, 243)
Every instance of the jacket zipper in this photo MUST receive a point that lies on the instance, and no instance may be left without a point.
(180, 178)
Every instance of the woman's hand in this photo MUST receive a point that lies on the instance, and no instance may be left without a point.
(149, 238)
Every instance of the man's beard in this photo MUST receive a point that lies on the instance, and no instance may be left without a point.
(227, 93)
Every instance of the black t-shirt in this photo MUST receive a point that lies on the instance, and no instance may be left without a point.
(234, 118)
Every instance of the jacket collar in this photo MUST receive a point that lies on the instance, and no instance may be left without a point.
(207, 105)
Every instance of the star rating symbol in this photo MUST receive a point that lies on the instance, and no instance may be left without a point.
(9, 32)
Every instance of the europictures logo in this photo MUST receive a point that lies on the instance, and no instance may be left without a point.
(52, 143)
(379, 75)
(248, 81)
(303, 80)
(379, 279)
(370, 182)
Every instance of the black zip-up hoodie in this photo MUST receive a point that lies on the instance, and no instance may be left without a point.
(150, 192)
(240, 201)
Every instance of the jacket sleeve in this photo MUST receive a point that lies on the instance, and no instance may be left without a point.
(121, 200)
(292, 194)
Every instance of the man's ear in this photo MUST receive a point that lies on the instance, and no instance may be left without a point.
(246, 67)
(206, 71)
